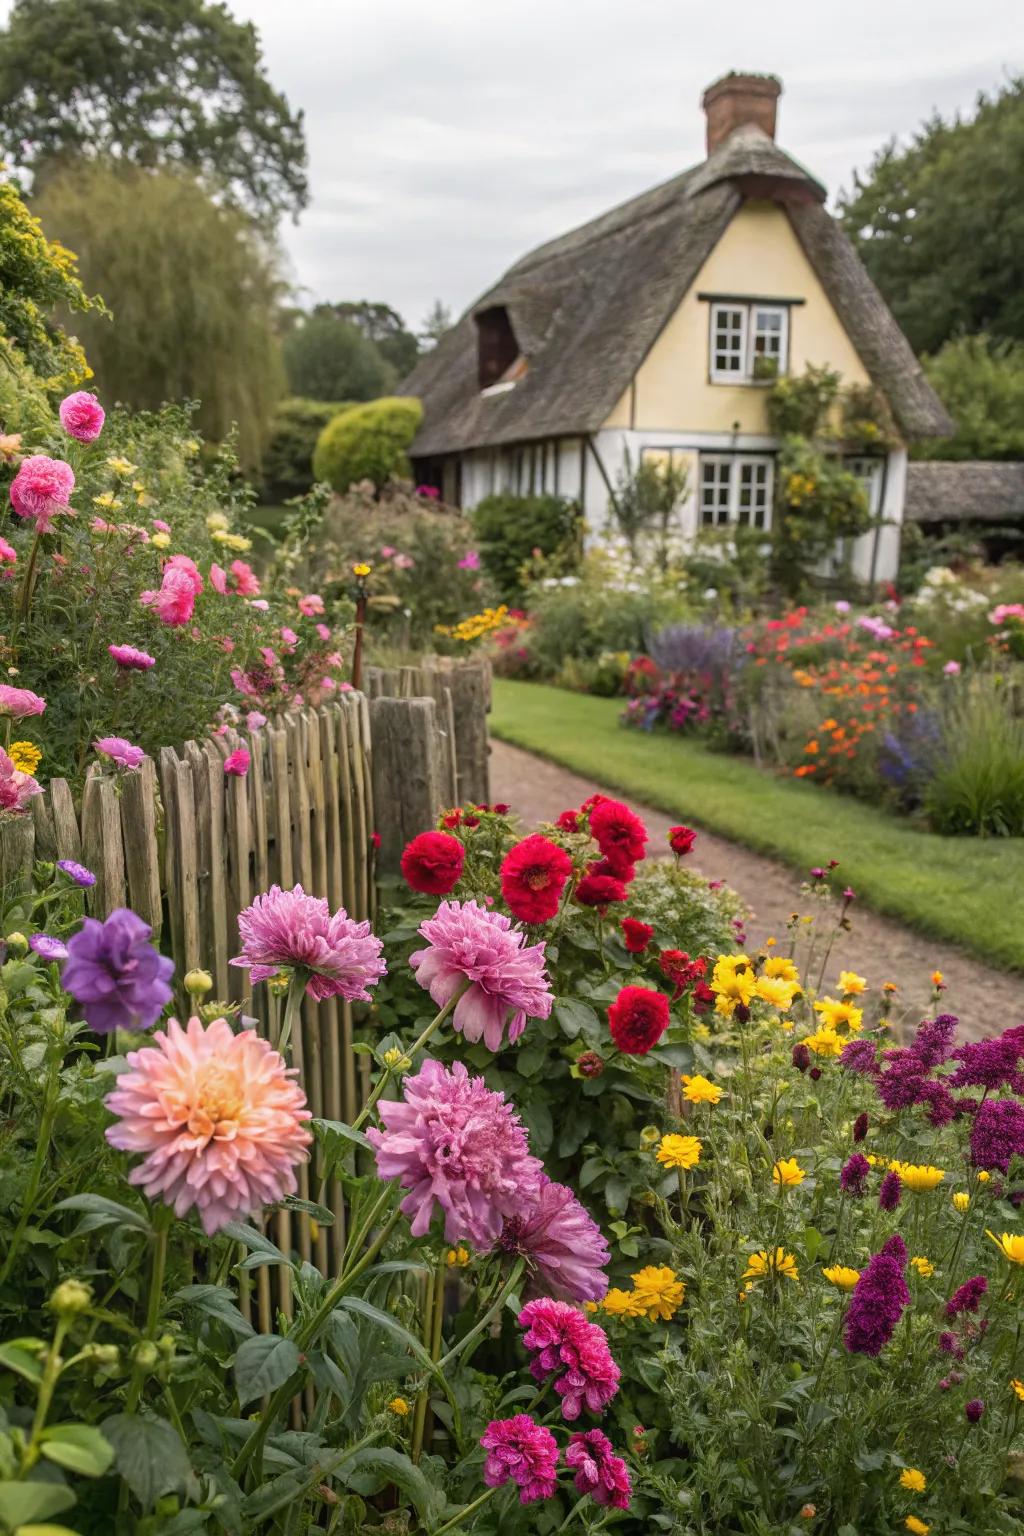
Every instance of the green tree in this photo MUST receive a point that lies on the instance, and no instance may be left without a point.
(193, 289)
(331, 359)
(156, 82)
(383, 326)
(981, 384)
(940, 224)
(647, 497)
(436, 323)
(368, 442)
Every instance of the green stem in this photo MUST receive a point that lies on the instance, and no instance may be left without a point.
(417, 1045)
(433, 1336)
(161, 1226)
(570, 1517)
(51, 1102)
(47, 1385)
(292, 1008)
(485, 1321)
(463, 1515)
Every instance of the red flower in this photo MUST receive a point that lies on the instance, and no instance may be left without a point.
(636, 935)
(569, 821)
(500, 808)
(680, 970)
(595, 799)
(681, 839)
(637, 1019)
(618, 832)
(589, 1064)
(614, 867)
(432, 863)
(375, 839)
(533, 876)
(600, 891)
(703, 997)
(452, 819)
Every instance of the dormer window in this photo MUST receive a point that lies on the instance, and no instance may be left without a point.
(749, 341)
(497, 347)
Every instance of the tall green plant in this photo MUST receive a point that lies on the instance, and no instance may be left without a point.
(978, 787)
(647, 498)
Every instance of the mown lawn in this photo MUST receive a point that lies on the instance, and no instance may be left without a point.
(967, 890)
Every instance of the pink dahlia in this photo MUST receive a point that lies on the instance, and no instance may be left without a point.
(311, 605)
(508, 983)
(8, 553)
(188, 568)
(119, 751)
(16, 788)
(175, 602)
(132, 660)
(219, 579)
(599, 1471)
(246, 582)
(290, 929)
(453, 1140)
(82, 416)
(524, 1451)
(42, 488)
(218, 1117)
(20, 702)
(562, 1244)
(574, 1348)
(237, 763)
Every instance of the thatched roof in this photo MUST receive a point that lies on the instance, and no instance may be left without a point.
(974, 490)
(587, 307)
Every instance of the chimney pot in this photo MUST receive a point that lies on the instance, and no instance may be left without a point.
(737, 99)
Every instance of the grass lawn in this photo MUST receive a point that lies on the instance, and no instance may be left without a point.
(967, 890)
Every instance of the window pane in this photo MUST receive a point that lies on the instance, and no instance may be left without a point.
(714, 491)
(728, 339)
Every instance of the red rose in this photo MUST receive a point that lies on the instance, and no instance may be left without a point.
(569, 821)
(681, 839)
(591, 801)
(600, 891)
(703, 997)
(452, 819)
(614, 867)
(432, 863)
(636, 935)
(500, 808)
(637, 1019)
(618, 833)
(533, 876)
(680, 970)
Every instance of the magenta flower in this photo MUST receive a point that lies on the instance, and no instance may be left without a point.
(311, 605)
(524, 1451)
(8, 553)
(82, 416)
(254, 720)
(285, 929)
(997, 1134)
(968, 1297)
(508, 983)
(470, 561)
(564, 1249)
(853, 1178)
(219, 579)
(878, 1300)
(16, 788)
(246, 582)
(237, 763)
(599, 1471)
(19, 703)
(119, 751)
(41, 489)
(890, 1191)
(175, 602)
(187, 567)
(453, 1140)
(132, 660)
(573, 1348)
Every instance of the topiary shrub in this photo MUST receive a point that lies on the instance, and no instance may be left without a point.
(367, 442)
(295, 426)
(510, 528)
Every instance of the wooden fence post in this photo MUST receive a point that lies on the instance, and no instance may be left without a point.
(407, 779)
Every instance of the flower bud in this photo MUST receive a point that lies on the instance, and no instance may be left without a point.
(198, 983)
(146, 1354)
(17, 945)
(589, 1064)
(649, 1135)
(100, 1354)
(396, 1060)
(70, 1298)
(278, 985)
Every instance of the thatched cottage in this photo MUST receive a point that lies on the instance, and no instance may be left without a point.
(648, 330)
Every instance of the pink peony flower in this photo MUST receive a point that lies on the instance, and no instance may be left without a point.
(576, 1349)
(219, 1118)
(453, 1140)
(563, 1246)
(132, 660)
(524, 1451)
(323, 632)
(599, 1471)
(219, 579)
(175, 602)
(254, 721)
(237, 763)
(246, 583)
(952, 668)
(260, 604)
(311, 605)
(41, 489)
(289, 637)
(119, 751)
(508, 983)
(1002, 612)
(8, 553)
(187, 567)
(161, 526)
(16, 788)
(82, 416)
(20, 702)
(288, 928)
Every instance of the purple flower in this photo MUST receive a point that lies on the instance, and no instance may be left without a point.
(599, 1472)
(507, 981)
(562, 1244)
(801, 1057)
(997, 1134)
(288, 929)
(48, 947)
(878, 1300)
(990, 1063)
(858, 1056)
(77, 872)
(567, 1343)
(974, 1410)
(452, 1140)
(968, 1297)
(891, 1191)
(933, 1041)
(853, 1180)
(523, 1450)
(117, 977)
(860, 1127)
(950, 1345)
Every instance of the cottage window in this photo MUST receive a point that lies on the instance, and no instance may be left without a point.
(869, 473)
(728, 342)
(736, 488)
(749, 342)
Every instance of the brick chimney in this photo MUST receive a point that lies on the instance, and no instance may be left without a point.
(735, 100)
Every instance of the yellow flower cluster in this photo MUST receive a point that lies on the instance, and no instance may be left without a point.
(842, 1275)
(679, 1151)
(476, 626)
(766, 1262)
(700, 1090)
(458, 1258)
(920, 1177)
(233, 541)
(924, 1266)
(25, 756)
(657, 1293)
(836, 1014)
(736, 984)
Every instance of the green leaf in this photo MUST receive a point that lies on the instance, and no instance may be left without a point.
(530, 1059)
(104, 1213)
(19, 1360)
(321, 1213)
(576, 1018)
(616, 1192)
(251, 1239)
(390, 1324)
(332, 1131)
(592, 1168)
(262, 1364)
(537, 1119)
(149, 1455)
(21, 1503)
(78, 1448)
(378, 1466)
(46, 1530)
(217, 1302)
(813, 1240)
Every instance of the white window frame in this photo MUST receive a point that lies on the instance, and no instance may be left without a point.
(868, 470)
(730, 375)
(735, 463)
(749, 312)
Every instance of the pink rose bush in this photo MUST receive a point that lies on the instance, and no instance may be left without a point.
(42, 489)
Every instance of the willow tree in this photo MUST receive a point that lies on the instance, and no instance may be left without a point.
(192, 287)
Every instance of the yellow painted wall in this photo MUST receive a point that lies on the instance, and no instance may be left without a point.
(758, 255)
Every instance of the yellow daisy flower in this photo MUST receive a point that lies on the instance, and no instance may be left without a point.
(161, 540)
(1018, 1387)
(107, 500)
(835, 1013)
(781, 968)
(851, 985)
(1010, 1245)
(122, 466)
(679, 1151)
(779, 993)
(920, 1177)
(984, 1176)
(764, 1263)
(824, 1042)
(699, 1090)
(619, 1303)
(399, 1406)
(25, 756)
(913, 1480)
(657, 1292)
(842, 1276)
(919, 1527)
(924, 1266)
(787, 1173)
(961, 1200)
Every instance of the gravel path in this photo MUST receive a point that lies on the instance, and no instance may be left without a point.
(985, 1000)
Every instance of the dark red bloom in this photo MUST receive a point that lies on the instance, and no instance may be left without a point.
(681, 839)
(860, 1127)
(801, 1056)
(432, 863)
(595, 799)
(619, 869)
(637, 1019)
(853, 1178)
(500, 808)
(968, 1297)
(891, 1191)
(974, 1410)
(590, 1064)
(533, 877)
(600, 891)
(620, 835)
(636, 935)
(568, 821)
(703, 997)
(680, 970)
(452, 819)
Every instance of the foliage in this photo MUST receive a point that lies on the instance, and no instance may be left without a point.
(690, 682)
(37, 275)
(368, 442)
(818, 503)
(799, 403)
(193, 289)
(436, 323)
(977, 783)
(647, 498)
(287, 466)
(512, 529)
(981, 384)
(329, 358)
(383, 326)
(907, 216)
(157, 85)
